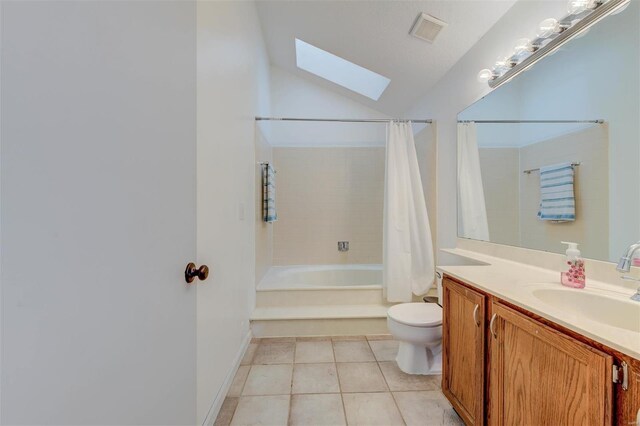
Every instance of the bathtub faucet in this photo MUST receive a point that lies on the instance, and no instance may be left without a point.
(343, 245)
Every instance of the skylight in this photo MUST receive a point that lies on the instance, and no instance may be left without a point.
(340, 71)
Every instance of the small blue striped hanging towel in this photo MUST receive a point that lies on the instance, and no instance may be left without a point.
(557, 199)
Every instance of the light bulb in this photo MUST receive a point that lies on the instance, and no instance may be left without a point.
(499, 69)
(502, 65)
(578, 6)
(485, 75)
(548, 27)
(522, 50)
(523, 45)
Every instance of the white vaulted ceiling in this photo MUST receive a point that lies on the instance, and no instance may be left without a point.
(375, 35)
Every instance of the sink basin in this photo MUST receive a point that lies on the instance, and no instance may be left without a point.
(618, 312)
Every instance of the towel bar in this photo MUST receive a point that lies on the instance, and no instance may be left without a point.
(538, 169)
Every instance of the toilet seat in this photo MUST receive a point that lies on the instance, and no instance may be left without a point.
(416, 314)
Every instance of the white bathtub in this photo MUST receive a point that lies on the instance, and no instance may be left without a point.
(322, 276)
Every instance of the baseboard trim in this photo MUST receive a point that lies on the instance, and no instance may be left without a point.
(222, 393)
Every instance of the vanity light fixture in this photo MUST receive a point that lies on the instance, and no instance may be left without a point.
(552, 33)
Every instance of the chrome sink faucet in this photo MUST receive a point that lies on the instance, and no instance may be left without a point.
(624, 265)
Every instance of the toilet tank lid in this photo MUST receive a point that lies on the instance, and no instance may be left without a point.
(416, 314)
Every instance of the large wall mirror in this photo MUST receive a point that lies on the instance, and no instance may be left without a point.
(527, 180)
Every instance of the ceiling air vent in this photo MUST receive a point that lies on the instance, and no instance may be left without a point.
(427, 27)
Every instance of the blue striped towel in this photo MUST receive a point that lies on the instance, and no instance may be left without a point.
(557, 199)
(269, 213)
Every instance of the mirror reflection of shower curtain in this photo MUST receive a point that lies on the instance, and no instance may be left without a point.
(472, 210)
(408, 262)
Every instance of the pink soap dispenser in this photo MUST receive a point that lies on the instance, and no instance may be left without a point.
(575, 275)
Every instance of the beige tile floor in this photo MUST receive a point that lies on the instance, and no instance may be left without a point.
(331, 381)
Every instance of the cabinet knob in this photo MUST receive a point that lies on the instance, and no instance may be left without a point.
(191, 272)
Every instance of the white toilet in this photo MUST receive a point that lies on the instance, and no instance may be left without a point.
(418, 328)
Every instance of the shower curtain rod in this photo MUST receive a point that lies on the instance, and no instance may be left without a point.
(344, 120)
(530, 121)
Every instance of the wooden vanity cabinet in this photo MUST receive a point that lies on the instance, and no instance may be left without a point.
(541, 376)
(463, 356)
(504, 365)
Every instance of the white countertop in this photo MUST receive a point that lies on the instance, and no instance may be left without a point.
(514, 282)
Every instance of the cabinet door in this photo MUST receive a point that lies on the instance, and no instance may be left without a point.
(628, 400)
(463, 351)
(539, 376)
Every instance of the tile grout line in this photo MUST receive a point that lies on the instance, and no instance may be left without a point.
(344, 409)
(395, 403)
(244, 382)
(245, 379)
(293, 367)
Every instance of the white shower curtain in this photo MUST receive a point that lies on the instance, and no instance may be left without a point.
(408, 263)
(472, 211)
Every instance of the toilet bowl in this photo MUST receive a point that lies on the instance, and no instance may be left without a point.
(418, 329)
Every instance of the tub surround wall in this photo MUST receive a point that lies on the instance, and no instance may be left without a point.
(326, 195)
(264, 231)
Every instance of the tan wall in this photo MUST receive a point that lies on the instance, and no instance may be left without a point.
(500, 177)
(326, 195)
(591, 227)
(264, 231)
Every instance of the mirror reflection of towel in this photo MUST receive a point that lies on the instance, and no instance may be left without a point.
(557, 199)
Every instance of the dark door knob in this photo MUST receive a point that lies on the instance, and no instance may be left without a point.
(191, 273)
